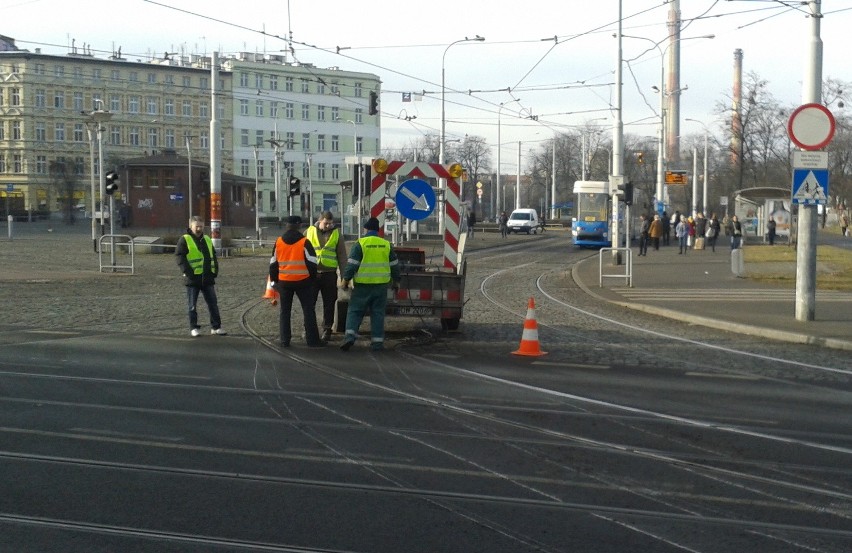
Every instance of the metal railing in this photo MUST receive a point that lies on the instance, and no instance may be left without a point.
(115, 241)
(628, 265)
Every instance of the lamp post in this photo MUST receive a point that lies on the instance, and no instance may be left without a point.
(276, 144)
(99, 117)
(256, 187)
(354, 168)
(499, 195)
(706, 174)
(441, 182)
(189, 173)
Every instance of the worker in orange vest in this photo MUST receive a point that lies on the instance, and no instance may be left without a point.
(292, 270)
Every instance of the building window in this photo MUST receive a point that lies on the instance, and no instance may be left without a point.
(204, 83)
(16, 130)
(136, 178)
(320, 88)
(320, 113)
(133, 104)
(78, 132)
(79, 164)
(39, 69)
(321, 142)
(335, 172)
(59, 71)
(40, 132)
(16, 97)
(153, 138)
(335, 113)
(186, 82)
(169, 107)
(59, 99)
(134, 76)
(115, 75)
(59, 132)
(258, 138)
(288, 84)
(359, 144)
(115, 135)
(244, 107)
(134, 136)
(261, 172)
(258, 108)
(152, 105)
(335, 143)
(204, 109)
(244, 167)
(335, 89)
(358, 90)
(41, 165)
(17, 163)
(96, 74)
(258, 80)
(244, 137)
(291, 141)
(306, 170)
(114, 102)
(321, 171)
(205, 140)
(306, 86)
(186, 108)
(306, 112)
(169, 178)
(78, 73)
(40, 98)
(2, 164)
(306, 141)
(273, 109)
(243, 79)
(273, 82)
(359, 116)
(289, 110)
(153, 179)
(77, 100)
(152, 78)
(170, 138)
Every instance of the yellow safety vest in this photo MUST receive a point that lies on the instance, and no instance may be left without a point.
(194, 256)
(375, 261)
(326, 255)
(291, 260)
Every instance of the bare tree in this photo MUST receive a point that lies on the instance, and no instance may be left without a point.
(64, 182)
(475, 156)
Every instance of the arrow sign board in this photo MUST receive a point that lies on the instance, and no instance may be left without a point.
(810, 186)
(415, 199)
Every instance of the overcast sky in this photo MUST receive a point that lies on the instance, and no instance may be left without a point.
(558, 58)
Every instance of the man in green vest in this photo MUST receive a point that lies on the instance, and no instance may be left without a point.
(372, 264)
(197, 260)
(331, 258)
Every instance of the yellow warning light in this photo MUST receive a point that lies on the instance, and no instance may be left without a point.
(456, 170)
(380, 166)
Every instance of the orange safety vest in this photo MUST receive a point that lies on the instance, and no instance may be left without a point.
(291, 260)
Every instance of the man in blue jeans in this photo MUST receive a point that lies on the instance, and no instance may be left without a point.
(373, 266)
(199, 265)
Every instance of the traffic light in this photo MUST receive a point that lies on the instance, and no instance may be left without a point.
(374, 103)
(295, 186)
(359, 186)
(111, 182)
(204, 176)
(626, 193)
(640, 158)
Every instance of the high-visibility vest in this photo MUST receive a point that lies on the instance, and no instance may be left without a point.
(375, 261)
(326, 255)
(194, 256)
(291, 260)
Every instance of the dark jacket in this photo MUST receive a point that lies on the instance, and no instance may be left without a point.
(211, 264)
(291, 237)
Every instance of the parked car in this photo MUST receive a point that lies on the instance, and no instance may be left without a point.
(524, 220)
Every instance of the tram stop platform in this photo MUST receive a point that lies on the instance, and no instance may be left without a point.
(700, 288)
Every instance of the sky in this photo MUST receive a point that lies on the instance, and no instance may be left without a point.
(552, 64)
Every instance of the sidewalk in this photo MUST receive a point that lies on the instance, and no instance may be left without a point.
(700, 288)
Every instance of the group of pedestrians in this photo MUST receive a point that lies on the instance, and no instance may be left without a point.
(308, 266)
(690, 232)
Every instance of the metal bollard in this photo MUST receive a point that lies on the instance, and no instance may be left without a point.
(10, 219)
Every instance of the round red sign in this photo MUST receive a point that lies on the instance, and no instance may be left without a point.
(811, 127)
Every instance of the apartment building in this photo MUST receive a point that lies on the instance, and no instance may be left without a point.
(314, 121)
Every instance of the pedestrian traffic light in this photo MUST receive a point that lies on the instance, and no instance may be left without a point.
(374, 103)
(295, 186)
(626, 193)
(111, 182)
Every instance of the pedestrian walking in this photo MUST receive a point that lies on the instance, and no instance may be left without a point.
(330, 248)
(373, 266)
(771, 225)
(471, 222)
(682, 234)
(700, 230)
(504, 224)
(655, 231)
(197, 260)
(644, 237)
(713, 228)
(844, 224)
(293, 270)
(667, 228)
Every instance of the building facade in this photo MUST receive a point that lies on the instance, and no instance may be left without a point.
(53, 107)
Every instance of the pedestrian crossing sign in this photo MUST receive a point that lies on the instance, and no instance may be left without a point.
(810, 186)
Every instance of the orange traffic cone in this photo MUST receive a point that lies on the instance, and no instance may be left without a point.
(270, 294)
(529, 340)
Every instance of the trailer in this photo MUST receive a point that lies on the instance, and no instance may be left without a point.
(426, 289)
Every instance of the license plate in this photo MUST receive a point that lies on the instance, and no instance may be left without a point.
(414, 311)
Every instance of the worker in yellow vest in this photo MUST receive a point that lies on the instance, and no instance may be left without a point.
(331, 258)
(292, 270)
(373, 266)
(197, 260)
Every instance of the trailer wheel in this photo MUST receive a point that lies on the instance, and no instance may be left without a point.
(450, 324)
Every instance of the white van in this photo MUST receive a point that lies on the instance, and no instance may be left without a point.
(524, 220)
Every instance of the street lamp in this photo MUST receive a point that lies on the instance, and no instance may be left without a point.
(442, 182)
(98, 117)
(500, 204)
(704, 195)
(189, 172)
(256, 188)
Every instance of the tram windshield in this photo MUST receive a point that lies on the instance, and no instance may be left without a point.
(592, 207)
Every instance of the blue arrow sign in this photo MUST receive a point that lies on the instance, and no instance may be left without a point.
(810, 186)
(415, 199)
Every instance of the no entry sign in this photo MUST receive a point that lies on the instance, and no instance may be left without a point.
(811, 127)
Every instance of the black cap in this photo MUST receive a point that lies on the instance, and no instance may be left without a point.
(294, 220)
(372, 224)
